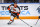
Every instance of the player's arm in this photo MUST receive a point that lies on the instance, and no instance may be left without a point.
(19, 9)
(9, 9)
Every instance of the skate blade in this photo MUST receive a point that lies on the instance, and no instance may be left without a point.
(8, 23)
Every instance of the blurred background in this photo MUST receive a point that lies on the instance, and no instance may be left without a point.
(20, 1)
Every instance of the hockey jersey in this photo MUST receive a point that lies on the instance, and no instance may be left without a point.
(11, 8)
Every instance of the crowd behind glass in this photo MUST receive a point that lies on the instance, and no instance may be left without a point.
(22, 1)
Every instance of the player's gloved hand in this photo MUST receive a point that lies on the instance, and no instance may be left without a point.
(17, 15)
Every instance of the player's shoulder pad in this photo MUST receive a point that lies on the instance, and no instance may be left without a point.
(10, 5)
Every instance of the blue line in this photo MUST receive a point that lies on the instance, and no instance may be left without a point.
(20, 3)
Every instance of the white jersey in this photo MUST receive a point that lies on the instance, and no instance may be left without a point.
(12, 7)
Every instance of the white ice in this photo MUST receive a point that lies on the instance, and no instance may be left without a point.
(19, 23)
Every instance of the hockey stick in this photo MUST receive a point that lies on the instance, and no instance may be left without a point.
(37, 21)
(23, 21)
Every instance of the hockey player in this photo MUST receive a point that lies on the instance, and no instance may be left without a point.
(14, 10)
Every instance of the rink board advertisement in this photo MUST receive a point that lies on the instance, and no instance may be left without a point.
(28, 11)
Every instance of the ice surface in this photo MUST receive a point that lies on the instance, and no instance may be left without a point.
(19, 23)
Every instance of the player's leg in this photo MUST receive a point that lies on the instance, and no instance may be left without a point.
(17, 16)
(11, 20)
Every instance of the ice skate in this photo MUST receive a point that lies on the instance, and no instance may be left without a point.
(10, 22)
